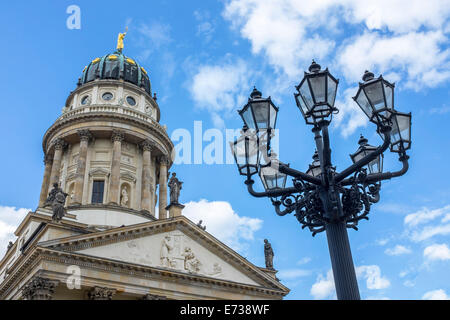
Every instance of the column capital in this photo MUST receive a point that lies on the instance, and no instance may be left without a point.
(101, 293)
(60, 144)
(39, 289)
(117, 135)
(164, 160)
(48, 159)
(148, 145)
(84, 134)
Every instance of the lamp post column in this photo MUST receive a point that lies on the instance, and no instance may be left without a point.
(342, 262)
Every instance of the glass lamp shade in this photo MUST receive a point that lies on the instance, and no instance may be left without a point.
(376, 165)
(401, 132)
(314, 169)
(259, 113)
(271, 177)
(375, 97)
(246, 153)
(316, 94)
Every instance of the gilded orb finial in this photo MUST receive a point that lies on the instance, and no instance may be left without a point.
(120, 38)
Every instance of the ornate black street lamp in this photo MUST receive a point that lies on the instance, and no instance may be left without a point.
(322, 198)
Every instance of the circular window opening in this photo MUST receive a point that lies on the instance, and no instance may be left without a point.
(131, 101)
(107, 96)
(85, 100)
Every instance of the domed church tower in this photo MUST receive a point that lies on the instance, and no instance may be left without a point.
(107, 150)
(95, 234)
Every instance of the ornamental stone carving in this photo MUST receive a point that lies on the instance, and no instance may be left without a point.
(101, 293)
(60, 144)
(164, 160)
(85, 135)
(268, 254)
(191, 263)
(150, 296)
(117, 135)
(39, 289)
(166, 252)
(175, 186)
(148, 145)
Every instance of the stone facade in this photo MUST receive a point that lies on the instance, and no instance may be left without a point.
(109, 153)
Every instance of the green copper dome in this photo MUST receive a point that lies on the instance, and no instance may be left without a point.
(116, 66)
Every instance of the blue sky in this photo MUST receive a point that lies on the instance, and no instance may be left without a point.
(203, 59)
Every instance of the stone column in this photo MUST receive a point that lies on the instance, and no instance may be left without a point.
(56, 167)
(114, 180)
(39, 289)
(163, 163)
(85, 136)
(100, 293)
(46, 180)
(146, 182)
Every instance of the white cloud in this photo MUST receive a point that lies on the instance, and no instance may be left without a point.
(437, 252)
(429, 232)
(290, 274)
(436, 295)
(397, 250)
(323, 288)
(350, 116)
(280, 31)
(158, 33)
(223, 223)
(417, 56)
(372, 274)
(425, 215)
(221, 88)
(406, 40)
(304, 260)
(205, 28)
(10, 218)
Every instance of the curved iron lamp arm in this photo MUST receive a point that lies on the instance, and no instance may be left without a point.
(270, 194)
(361, 163)
(376, 177)
(299, 175)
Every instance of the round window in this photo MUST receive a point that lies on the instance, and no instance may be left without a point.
(85, 100)
(107, 96)
(131, 101)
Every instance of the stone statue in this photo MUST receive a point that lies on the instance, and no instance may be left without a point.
(175, 187)
(124, 200)
(58, 206)
(10, 244)
(268, 254)
(199, 224)
(120, 38)
(191, 263)
(52, 194)
(166, 247)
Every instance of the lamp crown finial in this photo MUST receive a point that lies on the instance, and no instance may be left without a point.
(362, 141)
(368, 76)
(314, 67)
(255, 93)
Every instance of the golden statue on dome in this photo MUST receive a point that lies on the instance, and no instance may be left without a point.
(120, 38)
